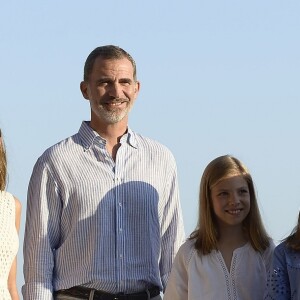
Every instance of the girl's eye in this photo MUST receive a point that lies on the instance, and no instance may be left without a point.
(244, 191)
(223, 194)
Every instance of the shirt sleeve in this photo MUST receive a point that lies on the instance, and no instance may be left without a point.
(278, 285)
(177, 287)
(41, 234)
(172, 229)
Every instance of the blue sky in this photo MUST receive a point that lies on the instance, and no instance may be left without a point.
(217, 77)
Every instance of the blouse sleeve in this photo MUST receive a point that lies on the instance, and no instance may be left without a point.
(268, 255)
(278, 286)
(177, 287)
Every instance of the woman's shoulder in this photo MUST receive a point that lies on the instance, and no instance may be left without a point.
(6, 196)
(9, 198)
(18, 205)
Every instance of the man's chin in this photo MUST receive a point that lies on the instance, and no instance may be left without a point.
(113, 119)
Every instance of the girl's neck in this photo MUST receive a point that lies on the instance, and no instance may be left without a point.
(232, 237)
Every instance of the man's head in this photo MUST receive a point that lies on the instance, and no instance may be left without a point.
(106, 52)
(110, 85)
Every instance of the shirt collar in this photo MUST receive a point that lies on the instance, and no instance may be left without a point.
(130, 138)
(89, 136)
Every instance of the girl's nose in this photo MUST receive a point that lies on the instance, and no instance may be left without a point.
(234, 199)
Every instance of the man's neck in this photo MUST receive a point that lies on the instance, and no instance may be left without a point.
(112, 133)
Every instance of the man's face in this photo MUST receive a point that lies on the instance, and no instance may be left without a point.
(111, 90)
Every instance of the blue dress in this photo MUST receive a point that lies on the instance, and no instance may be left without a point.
(284, 278)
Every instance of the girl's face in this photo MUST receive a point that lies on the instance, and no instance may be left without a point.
(231, 200)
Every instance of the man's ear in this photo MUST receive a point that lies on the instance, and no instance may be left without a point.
(137, 88)
(84, 89)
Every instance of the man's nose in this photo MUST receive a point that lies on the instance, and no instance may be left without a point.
(115, 90)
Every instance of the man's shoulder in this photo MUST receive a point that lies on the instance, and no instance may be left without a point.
(61, 148)
(146, 142)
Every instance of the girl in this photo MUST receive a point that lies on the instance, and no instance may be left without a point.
(229, 253)
(10, 212)
(284, 278)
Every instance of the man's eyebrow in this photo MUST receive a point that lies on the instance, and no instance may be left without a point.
(103, 79)
(126, 79)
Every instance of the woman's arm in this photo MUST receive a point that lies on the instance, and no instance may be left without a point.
(12, 277)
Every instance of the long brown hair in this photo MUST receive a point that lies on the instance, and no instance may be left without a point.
(206, 233)
(293, 240)
(3, 164)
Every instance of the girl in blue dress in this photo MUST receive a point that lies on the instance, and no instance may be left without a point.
(284, 278)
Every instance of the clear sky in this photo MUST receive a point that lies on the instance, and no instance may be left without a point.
(217, 77)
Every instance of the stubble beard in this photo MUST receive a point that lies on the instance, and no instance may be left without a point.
(113, 116)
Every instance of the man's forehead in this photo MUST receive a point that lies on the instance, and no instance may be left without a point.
(122, 65)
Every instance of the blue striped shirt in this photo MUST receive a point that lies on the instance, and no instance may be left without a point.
(110, 225)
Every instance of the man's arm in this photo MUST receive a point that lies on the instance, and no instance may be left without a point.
(172, 228)
(42, 233)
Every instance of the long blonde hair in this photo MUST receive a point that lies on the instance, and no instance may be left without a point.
(206, 233)
(3, 164)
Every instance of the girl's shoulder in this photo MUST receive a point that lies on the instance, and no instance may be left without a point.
(284, 249)
(187, 251)
(270, 248)
(268, 252)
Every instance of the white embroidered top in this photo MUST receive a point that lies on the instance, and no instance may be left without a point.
(207, 277)
(9, 241)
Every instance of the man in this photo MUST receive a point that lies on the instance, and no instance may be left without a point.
(103, 214)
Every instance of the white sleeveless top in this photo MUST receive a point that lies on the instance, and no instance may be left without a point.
(9, 241)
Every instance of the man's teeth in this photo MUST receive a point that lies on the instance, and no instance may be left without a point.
(115, 104)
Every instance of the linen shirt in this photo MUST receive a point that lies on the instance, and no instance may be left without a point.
(93, 221)
(207, 277)
(284, 278)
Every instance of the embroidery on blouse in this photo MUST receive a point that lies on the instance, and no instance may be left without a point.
(225, 271)
(233, 276)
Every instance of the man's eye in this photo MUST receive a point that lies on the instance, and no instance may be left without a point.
(103, 82)
(125, 83)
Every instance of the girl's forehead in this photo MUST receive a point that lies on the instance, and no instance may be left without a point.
(237, 176)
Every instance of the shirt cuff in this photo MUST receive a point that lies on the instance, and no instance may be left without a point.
(37, 291)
